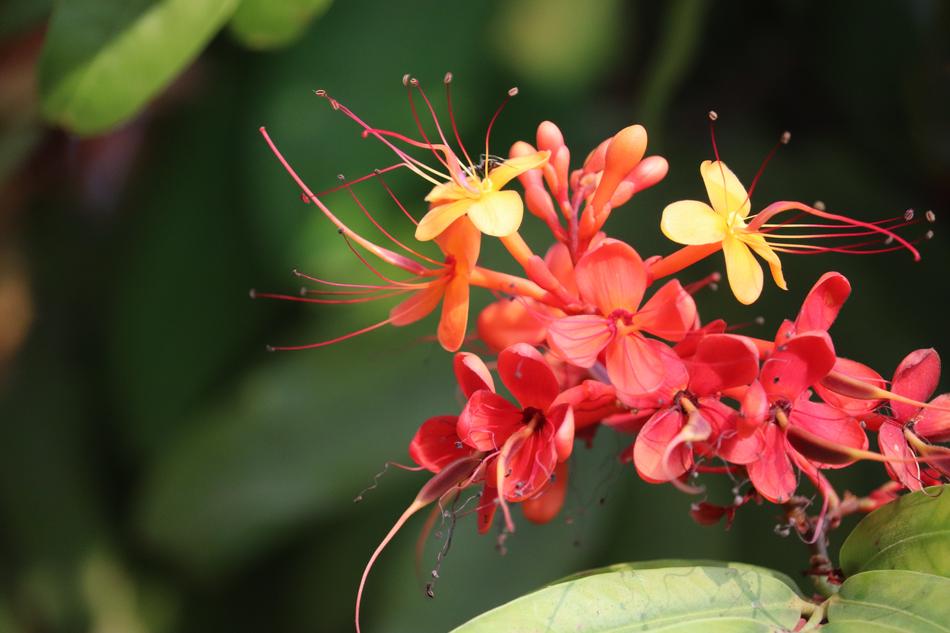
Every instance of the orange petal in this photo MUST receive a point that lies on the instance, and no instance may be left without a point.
(612, 276)
(454, 319)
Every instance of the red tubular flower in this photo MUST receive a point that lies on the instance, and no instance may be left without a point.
(527, 441)
(612, 279)
(905, 435)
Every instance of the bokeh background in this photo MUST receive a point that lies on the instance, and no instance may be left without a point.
(161, 472)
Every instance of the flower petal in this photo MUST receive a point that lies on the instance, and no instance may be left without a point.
(461, 240)
(487, 421)
(547, 505)
(514, 167)
(528, 377)
(612, 276)
(726, 193)
(471, 373)
(692, 222)
(651, 445)
(722, 361)
(797, 364)
(454, 320)
(635, 364)
(440, 217)
(859, 371)
(743, 271)
(418, 305)
(934, 424)
(893, 444)
(436, 444)
(823, 302)
(497, 213)
(509, 321)
(830, 424)
(772, 474)
(758, 244)
(669, 313)
(916, 378)
(579, 339)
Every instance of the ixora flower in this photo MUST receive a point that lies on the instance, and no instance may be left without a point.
(460, 185)
(725, 223)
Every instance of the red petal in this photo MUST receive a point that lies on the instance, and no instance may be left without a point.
(579, 339)
(651, 445)
(893, 444)
(852, 369)
(471, 374)
(738, 449)
(544, 507)
(436, 444)
(635, 364)
(530, 465)
(511, 321)
(796, 364)
(687, 347)
(612, 276)
(916, 378)
(934, 424)
(755, 408)
(669, 313)
(562, 417)
(830, 424)
(591, 402)
(722, 361)
(824, 301)
(529, 378)
(772, 474)
(487, 421)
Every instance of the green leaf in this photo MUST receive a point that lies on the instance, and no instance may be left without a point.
(890, 601)
(264, 24)
(103, 60)
(672, 599)
(912, 532)
(678, 562)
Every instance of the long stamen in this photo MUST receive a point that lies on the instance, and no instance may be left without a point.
(511, 93)
(350, 183)
(372, 269)
(409, 83)
(783, 140)
(384, 254)
(300, 299)
(448, 99)
(395, 199)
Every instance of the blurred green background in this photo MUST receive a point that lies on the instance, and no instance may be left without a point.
(160, 472)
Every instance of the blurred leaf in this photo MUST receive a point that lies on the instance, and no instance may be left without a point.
(672, 562)
(103, 60)
(266, 24)
(19, 15)
(700, 599)
(888, 601)
(912, 532)
(560, 44)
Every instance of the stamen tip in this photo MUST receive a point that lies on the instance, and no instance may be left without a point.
(320, 92)
(929, 235)
(713, 115)
(716, 276)
(931, 216)
(512, 92)
(252, 293)
(909, 215)
(341, 177)
(785, 138)
(270, 348)
(447, 79)
(819, 205)
(714, 286)
(759, 320)
(405, 79)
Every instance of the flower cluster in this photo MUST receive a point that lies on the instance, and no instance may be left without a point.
(595, 334)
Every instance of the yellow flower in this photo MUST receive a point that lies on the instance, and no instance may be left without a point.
(491, 210)
(695, 223)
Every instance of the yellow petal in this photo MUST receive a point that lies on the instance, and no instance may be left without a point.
(497, 213)
(758, 244)
(726, 193)
(439, 218)
(692, 222)
(447, 192)
(742, 269)
(514, 167)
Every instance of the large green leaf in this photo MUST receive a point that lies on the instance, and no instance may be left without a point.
(273, 23)
(889, 602)
(670, 599)
(677, 562)
(104, 59)
(912, 532)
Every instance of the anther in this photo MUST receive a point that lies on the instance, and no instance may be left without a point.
(320, 93)
(305, 198)
(929, 235)
(405, 79)
(252, 293)
(435, 573)
(270, 348)
(414, 82)
(447, 79)
(712, 115)
(909, 215)
(513, 92)
(819, 205)
(759, 320)
(430, 591)
(339, 231)
(785, 138)
(714, 286)
(889, 240)
(303, 291)
(931, 216)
